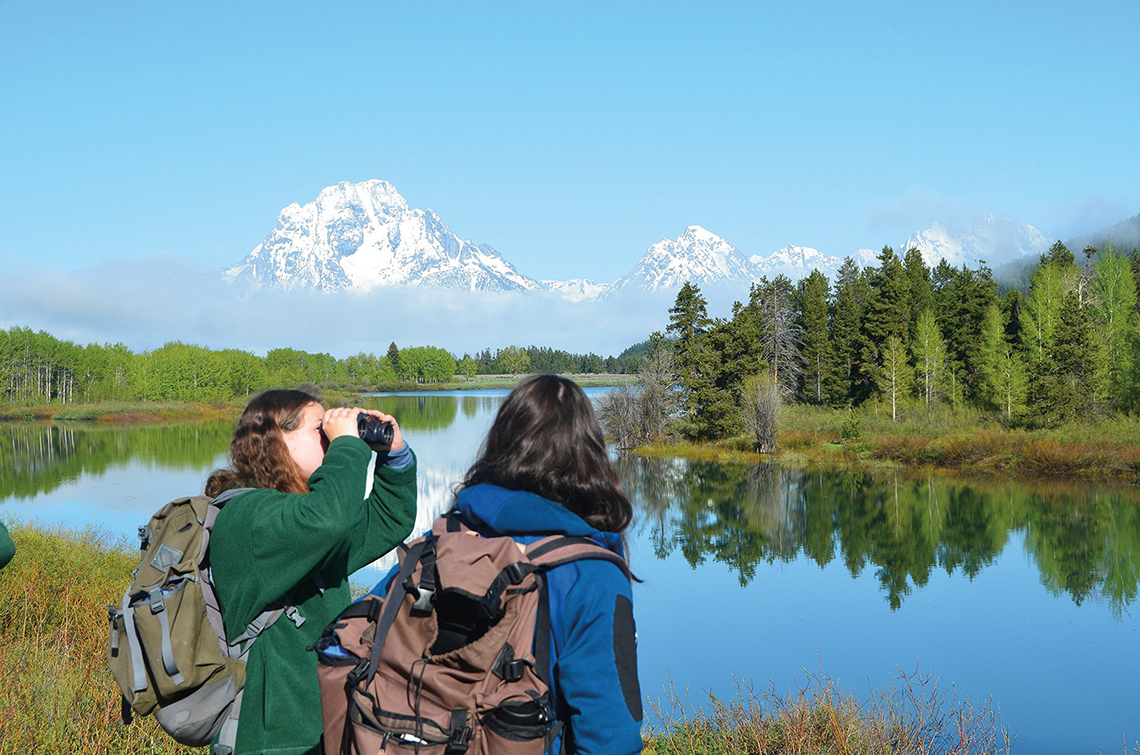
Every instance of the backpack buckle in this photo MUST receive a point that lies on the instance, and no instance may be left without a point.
(514, 573)
(459, 734)
(424, 600)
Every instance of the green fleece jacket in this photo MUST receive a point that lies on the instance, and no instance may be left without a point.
(7, 547)
(266, 543)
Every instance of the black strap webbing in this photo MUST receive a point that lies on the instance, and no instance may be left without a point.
(542, 634)
(392, 605)
(561, 542)
(454, 523)
(361, 609)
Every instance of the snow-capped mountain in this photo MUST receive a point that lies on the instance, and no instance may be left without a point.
(364, 236)
(797, 262)
(993, 239)
(576, 289)
(697, 255)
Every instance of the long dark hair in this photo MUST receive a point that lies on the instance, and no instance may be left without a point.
(259, 457)
(547, 440)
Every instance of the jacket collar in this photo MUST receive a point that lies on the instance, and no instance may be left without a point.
(499, 511)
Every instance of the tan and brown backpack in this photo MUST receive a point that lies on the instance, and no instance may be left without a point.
(454, 659)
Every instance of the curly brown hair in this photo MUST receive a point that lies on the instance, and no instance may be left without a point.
(546, 440)
(259, 457)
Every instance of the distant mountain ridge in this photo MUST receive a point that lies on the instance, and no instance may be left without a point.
(360, 237)
(364, 236)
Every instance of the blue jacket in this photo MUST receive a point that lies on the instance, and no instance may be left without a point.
(593, 652)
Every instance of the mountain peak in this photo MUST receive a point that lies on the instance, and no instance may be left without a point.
(363, 236)
(993, 239)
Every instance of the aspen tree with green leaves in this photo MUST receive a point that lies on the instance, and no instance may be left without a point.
(894, 375)
(929, 356)
(1112, 293)
(1011, 382)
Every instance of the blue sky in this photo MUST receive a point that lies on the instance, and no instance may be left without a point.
(569, 137)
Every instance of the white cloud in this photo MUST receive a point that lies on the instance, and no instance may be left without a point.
(146, 302)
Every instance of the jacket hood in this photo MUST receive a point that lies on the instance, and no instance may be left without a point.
(494, 510)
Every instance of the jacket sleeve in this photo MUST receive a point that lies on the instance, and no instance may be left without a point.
(595, 674)
(282, 538)
(389, 515)
(7, 547)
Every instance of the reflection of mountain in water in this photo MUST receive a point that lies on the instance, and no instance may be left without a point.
(37, 459)
(1086, 546)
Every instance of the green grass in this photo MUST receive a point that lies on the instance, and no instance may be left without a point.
(913, 716)
(56, 692)
(963, 440)
(124, 412)
(57, 695)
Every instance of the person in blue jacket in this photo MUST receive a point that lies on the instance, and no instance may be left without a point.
(543, 470)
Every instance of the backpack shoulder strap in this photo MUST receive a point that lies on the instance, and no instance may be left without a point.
(556, 550)
(452, 521)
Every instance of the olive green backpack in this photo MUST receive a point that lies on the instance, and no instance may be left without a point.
(167, 648)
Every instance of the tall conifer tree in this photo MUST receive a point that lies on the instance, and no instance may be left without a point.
(816, 340)
(919, 285)
(888, 311)
(846, 331)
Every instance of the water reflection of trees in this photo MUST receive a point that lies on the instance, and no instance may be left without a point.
(420, 412)
(37, 459)
(1084, 545)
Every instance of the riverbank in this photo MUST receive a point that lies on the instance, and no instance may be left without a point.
(123, 412)
(961, 441)
(142, 412)
(499, 382)
(56, 694)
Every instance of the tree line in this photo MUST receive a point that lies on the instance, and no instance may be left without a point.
(38, 368)
(917, 338)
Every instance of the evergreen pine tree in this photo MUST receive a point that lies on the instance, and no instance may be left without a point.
(394, 356)
(888, 312)
(1134, 262)
(847, 325)
(1071, 380)
(688, 323)
(1059, 255)
(1011, 313)
(968, 297)
(816, 341)
(991, 356)
(920, 287)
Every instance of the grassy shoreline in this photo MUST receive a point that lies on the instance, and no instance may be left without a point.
(142, 412)
(57, 695)
(953, 443)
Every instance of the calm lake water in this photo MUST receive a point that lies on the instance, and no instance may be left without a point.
(1026, 594)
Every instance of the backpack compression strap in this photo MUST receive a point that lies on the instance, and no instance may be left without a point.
(556, 550)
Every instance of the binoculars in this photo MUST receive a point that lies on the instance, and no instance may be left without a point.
(373, 431)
